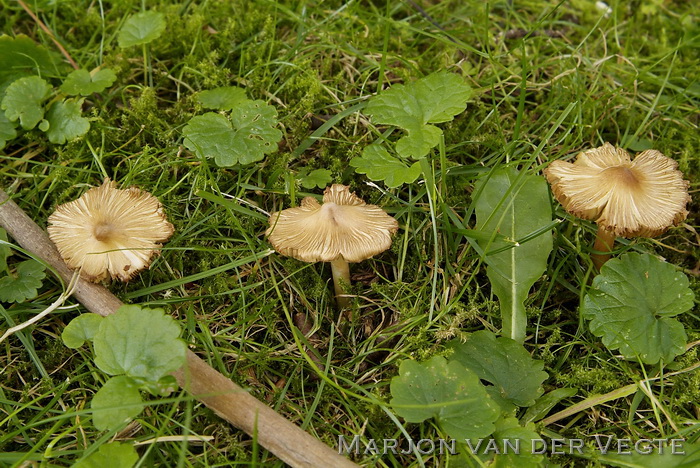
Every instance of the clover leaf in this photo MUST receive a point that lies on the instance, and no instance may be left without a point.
(447, 391)
(141, 343)
(81, 329)
(224, 98)
(66, 121)
(23, 100)
(25, 284)
(317, 178)
(141, 28)
(436, 98)
(379, 165)
(111, 455)
(116, 402)
(631, 306)
(82, 82)
(247, 137)
(516, 377)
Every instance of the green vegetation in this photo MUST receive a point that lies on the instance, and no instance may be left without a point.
(230, 110)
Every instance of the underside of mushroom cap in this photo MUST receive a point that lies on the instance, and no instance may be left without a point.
(643, 197)
(343, 227)
(109, 232)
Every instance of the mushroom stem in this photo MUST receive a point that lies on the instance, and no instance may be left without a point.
(341, 276)
(604, 241)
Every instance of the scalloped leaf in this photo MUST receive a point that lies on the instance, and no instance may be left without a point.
(446, 391)
(436, 98)
(25, 284)
(66, 121)
(139, 342)
(317, 178)
(82, 82)
(7, 130)
(379, 165)
(516, 377)
(23, 99)
(141, 28)
(631, 306)
(247, 137)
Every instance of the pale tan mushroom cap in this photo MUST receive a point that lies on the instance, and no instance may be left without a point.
(109, 231)
(643, 197)
(344, 227)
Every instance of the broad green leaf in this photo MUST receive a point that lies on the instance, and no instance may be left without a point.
(66, 122)
(23, 100)
(516, 377)
(81, 329)
(514, 206)
(317, 178)
(141, 28)
(118, 401)
(7, 130)
(24, 284)
(111, 455)
(446, 391)
(82, 82)
(225, 98)
(379, 165)
(631, 306)
(246, 138)
(646, 454)
(433, 99)
(141, 343)
(21, 56)
(546, 402)
(510, 433)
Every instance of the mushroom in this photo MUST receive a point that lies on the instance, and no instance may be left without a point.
(640, 198)
(343, 229)
(109, 232)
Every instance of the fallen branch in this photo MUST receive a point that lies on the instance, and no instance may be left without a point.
(278, 435)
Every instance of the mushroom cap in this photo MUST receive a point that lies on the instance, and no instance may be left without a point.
(108, 231)
(643, 197)
(343, 227)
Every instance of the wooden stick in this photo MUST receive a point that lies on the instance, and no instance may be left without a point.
(280, 436)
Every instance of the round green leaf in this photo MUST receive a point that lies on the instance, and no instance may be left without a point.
(141, 343)
(141, 28)
(112, 455)
(631, 304)
(224, 98)
(81, 82)
(449, 392)
(23, 100)
(81, 329)
(118, 401)
(66, 121)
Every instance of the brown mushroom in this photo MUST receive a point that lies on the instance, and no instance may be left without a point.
(640, 198)
(109, 232)
(343, 229)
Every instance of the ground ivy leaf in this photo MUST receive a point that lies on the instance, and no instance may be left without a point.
(141, 343)
(317, 178)
(631, 304)
(81, 82)
(23, 100)
(435, 98)
(118, 401)
(141, 28)
(112, 455)
(81, 329)
(504, 363)
(246, 138)
(66, 122)
(224, 98)
(514, 207)
(447, 391)
(25, 284)
(7, 130)
(379, 165)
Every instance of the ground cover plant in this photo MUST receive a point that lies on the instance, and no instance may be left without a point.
(486, 322)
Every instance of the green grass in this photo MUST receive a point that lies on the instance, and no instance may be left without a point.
(551, 79)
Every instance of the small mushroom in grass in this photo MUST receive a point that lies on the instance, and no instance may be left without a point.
(640, 198)
(109, 232)
(343, 229)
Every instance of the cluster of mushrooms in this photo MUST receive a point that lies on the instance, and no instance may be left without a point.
(109, 232)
